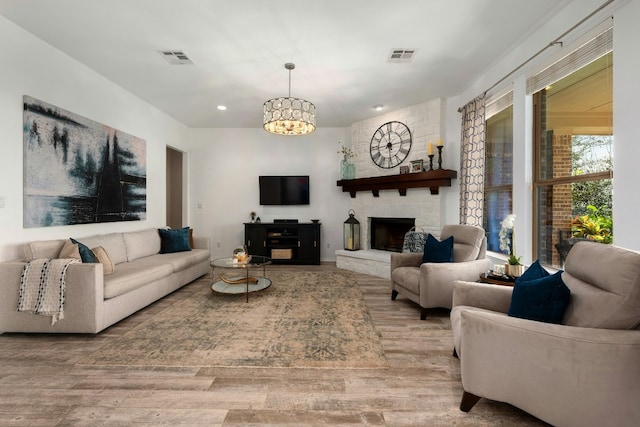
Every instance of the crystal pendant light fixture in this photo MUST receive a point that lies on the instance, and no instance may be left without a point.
(289, 116)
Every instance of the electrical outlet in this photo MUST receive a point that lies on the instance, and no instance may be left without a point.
(218, 244)
(328, 245)
(199, 205)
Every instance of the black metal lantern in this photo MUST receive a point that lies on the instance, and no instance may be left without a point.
(352, 232)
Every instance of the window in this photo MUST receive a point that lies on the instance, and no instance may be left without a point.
(498, 178)
(573, 167)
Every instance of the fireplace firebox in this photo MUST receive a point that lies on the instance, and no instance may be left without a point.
(387, 234)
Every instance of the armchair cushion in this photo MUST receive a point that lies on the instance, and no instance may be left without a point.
(543, 299)
(605, 286)
(436, 251)
(470, 242)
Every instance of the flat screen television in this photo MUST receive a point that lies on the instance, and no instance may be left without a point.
(284, 190)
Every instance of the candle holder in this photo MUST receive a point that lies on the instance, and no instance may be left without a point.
(439, 156)
(430, 162)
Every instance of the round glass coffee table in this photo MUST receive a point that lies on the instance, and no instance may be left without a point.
(240, 281)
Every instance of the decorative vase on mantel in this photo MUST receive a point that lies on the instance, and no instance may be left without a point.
(347, 170)
(513, 270)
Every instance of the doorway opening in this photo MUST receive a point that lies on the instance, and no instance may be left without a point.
(174, 188)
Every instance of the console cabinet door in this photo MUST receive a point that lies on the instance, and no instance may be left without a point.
(309, 244)
(255, 239)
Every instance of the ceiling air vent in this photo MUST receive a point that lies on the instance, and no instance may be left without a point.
(175, 57)
(401, 55)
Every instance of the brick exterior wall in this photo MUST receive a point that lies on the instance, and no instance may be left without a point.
(555, 202)
(562, 198)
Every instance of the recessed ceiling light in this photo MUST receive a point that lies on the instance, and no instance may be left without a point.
(222, 107)
(378, 107)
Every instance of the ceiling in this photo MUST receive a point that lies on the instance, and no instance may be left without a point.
(239, 48)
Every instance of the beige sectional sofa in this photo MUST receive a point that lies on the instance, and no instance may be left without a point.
(93, 300)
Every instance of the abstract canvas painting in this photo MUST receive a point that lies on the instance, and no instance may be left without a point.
(78, 171)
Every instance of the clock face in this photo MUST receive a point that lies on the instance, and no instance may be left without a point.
(390, 144)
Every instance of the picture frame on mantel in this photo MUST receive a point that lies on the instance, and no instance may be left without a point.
(404, 170)
(416, 165)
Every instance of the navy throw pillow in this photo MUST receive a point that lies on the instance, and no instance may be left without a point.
(436, 251)
(535, 271)
(174, 240)
(544, 299)
(85, 253)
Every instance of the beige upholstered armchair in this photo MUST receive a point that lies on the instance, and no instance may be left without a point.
(583, 372)
(431, 284)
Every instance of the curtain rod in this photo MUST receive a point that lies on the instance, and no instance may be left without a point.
(555, 42)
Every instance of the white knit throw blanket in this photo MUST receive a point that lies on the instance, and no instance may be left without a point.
(42, 287)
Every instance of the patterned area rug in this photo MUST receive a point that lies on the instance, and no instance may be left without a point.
(305, 319)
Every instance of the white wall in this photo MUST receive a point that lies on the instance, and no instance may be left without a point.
(626, 149)
(626, 95)
(32, 67)
(226, 163)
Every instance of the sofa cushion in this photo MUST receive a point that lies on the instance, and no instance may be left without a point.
(180, 260)
(141, 243)
(85, 253)
(436, 251)
(103, 258)
(605, 286)
(69, 250)
(544, 299)
(174, 240)
(113, 243)
(42, 249)
(132, 275)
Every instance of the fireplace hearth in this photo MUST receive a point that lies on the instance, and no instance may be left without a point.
(387, 234)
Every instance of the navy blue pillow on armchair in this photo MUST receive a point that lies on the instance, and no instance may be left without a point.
(535, 271)
(436, 251)
(544, 299)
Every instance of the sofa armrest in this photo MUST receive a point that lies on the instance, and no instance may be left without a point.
(482, 295)
(436, 280)
(83, 307)
(564, 375)
(406, 259)
(201, 243)
(448, 272)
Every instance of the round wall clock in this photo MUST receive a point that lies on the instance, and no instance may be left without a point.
(390, 144)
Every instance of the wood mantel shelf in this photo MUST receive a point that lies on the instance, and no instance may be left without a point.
(432, 179)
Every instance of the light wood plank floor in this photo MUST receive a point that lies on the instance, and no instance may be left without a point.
(40, 385)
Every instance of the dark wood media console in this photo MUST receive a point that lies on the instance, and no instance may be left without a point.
(284, 243)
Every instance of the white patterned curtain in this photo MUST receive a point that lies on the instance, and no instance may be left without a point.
(472, 162)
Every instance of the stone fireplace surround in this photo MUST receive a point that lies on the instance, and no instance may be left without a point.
(418, 204)
(424, 120)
